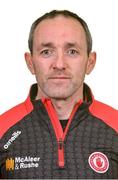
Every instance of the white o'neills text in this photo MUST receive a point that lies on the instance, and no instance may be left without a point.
(14, 136)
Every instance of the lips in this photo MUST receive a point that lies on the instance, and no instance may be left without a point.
(59, 77)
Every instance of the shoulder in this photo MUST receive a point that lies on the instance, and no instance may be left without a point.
(15, 114)
(106, 113)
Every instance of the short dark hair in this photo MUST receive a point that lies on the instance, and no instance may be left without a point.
(65, 13)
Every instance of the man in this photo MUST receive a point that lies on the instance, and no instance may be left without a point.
(60, 131)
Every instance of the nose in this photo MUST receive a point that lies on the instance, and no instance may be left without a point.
(59, 62)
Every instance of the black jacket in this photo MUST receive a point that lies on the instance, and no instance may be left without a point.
(34, 146)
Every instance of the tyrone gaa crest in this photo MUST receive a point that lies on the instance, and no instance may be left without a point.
(98, 162)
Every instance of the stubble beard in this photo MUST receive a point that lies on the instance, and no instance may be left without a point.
(59, 92)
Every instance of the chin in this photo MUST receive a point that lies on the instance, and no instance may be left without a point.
(59, 92)
(58, 95)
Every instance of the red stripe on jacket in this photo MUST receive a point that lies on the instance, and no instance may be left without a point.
(106, 113)
(102, 111)
(12, 116)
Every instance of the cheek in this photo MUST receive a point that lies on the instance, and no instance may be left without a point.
(40, 71)
(37, 66)
(79, 69)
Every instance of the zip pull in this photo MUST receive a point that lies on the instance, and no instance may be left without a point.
(61, 153)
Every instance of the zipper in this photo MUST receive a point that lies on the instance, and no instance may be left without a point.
(61, 153)
(60, 135)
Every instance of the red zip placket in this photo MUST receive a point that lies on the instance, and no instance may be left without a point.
(60, 135)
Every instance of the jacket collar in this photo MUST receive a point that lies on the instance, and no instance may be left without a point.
(87, 94)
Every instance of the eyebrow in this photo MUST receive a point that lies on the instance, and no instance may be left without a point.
(74, 44)
(49, 44)
(66, 45)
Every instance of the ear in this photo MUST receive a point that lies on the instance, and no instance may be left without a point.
(91, 62)
(28, 59)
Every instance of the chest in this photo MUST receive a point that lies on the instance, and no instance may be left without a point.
(88, 152)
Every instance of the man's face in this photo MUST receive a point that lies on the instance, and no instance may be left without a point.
(59, 60)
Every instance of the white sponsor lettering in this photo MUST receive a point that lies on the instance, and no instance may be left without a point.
(26, 162)
(14, 136)
(26, 159)
(28, 165)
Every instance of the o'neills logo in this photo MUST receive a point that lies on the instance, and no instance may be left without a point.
(22, 163)
(98, 162)
(14, 136)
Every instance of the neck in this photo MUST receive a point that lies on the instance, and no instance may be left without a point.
(64, 107)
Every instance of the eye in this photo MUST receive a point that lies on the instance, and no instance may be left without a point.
(72, 52)
(46, 53)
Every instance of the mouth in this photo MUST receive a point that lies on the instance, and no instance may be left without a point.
(59, 79)
(61, 76)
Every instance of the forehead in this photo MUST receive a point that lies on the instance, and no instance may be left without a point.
(58, 29)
